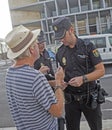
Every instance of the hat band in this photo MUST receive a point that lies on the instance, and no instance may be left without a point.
(22, 44)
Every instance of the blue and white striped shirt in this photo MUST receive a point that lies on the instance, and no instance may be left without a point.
(30, 97)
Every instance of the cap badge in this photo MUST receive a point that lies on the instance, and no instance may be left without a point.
(41, 64)
(55, 28)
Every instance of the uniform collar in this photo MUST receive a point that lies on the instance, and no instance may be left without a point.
(77, 43)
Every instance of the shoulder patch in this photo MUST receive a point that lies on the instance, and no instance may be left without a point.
(96, 53)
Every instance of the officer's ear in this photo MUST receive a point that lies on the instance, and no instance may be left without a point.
(71, 30)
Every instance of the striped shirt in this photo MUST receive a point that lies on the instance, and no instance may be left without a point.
(30, 97)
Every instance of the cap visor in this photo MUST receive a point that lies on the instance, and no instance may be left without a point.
(60, 35)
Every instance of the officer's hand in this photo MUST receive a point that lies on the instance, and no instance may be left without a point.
(76, 81)
(44, 69)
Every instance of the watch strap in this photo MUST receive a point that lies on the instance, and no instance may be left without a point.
(85, 80)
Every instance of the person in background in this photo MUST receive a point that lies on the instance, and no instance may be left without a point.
(32, 102)
(44, 63)
(83, 65)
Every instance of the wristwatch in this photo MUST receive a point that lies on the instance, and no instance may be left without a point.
(85, 80)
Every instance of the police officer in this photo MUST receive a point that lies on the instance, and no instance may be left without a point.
(83, 65)
(44, 63)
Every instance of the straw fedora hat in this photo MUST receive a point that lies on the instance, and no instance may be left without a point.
(19, 39)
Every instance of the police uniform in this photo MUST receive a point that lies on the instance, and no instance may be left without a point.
(78, 61)
(44, 59)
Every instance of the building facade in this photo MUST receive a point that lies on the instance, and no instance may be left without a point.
(88, 16)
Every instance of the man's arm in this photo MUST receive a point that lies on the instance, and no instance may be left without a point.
(57, 108)
(52, 83)
(98, 72)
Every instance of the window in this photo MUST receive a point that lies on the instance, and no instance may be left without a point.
(99, 42)
(96, 4)
(110, 40)
(92, 22)
(108, 3)
(84, 5)
(81, 23)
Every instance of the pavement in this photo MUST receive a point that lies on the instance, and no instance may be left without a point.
(107, 125)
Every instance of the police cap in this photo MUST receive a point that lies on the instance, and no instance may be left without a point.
(60, 26)
(41, 37)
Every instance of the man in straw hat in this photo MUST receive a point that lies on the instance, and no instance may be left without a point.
(33, 104)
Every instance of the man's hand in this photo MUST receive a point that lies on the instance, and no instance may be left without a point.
(59, 76)
(44, 69)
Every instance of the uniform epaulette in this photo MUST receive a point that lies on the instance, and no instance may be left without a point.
(86, 41)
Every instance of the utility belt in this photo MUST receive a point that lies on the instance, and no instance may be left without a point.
(82, 89)
(77, 94)
(90, 99)
(69, 98)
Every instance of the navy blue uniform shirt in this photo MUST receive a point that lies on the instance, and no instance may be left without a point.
(44, 60)
(78, 61)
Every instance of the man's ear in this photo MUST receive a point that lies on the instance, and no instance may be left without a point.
(31, 49)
